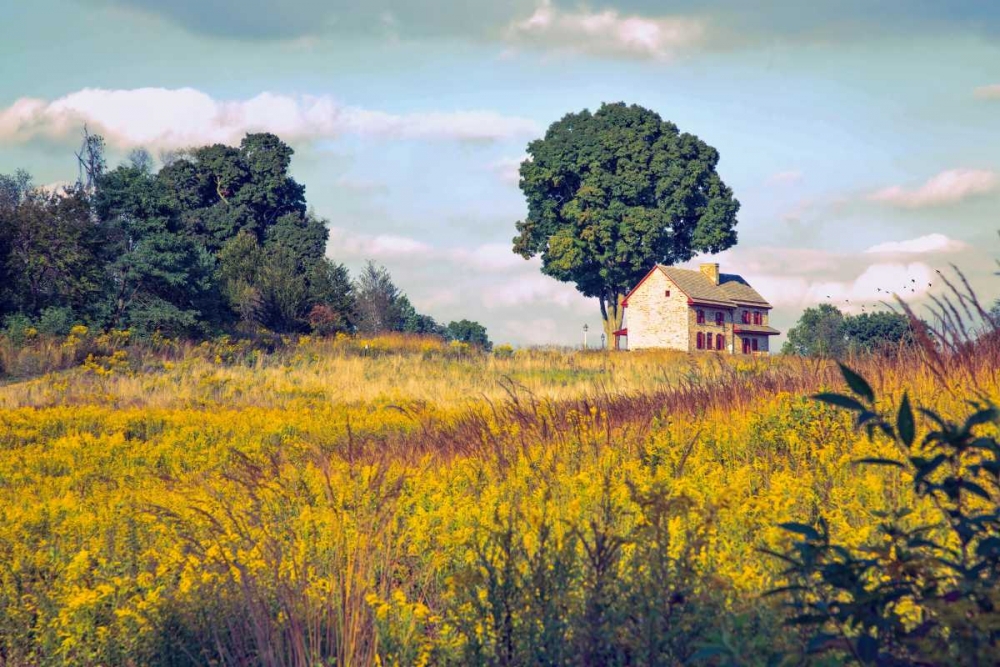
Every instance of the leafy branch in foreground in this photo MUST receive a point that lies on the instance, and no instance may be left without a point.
(918, 594)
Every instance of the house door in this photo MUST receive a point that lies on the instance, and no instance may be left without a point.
(746, 346)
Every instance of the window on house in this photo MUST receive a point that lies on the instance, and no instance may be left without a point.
(701, 341)
(666, 293)
(746, 317)
(756, 317)
(701, 316)
(720, 342)
(753, 344)
(719, 318)
(708, 341)
(746, 346)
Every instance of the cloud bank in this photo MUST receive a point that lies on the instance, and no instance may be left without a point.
(607, 33)
(948, 187)
(924, 244)
(796, 278)
(177, 118)
(633, 28)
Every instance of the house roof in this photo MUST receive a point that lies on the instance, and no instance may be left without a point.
(756, 329)
(731, 291)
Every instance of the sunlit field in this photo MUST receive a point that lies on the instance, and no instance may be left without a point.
(405, 501)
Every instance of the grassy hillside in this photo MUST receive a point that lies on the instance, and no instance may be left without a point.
(409, 502)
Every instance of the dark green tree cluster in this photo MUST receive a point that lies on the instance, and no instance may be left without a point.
(218, 239)
(824, 331)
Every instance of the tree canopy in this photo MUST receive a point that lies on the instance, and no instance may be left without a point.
(612, 193)
(220, 238)
(824, 331)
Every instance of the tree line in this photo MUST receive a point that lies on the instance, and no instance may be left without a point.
(825, 331)
(219, 239)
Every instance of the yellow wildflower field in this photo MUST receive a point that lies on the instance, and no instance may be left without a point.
(401, 501)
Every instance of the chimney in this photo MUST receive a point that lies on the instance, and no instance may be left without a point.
(711, 271)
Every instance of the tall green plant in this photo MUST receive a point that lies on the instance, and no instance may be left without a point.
(852, 602)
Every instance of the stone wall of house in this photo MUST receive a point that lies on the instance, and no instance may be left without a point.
(710, 328)
(763, 343)
(748, 309)
(655, 319)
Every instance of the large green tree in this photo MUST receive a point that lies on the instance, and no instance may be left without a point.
(52, 249)
(470, 332)
(159, 277)
(875, 332)
(380, 304)
(612, 193)
(13, 190)
(219, 191)
(818, 333)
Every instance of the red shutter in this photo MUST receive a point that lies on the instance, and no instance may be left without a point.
(720, 342)
(708, 341)
(701, 341)
(701, 316)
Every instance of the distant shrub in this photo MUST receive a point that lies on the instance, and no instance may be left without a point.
(326, 321)
(503, 351)
(55, 321)
(18, 328)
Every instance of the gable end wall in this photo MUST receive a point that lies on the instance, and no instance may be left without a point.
(655, 320)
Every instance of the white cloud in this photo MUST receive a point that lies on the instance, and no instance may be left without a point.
(508, 169)
(991, 92)
(379, 246)
(539, 331)
(485, 258)
(785, 177)
(178, 118)
(948, 187)
(492, 257)
(923, 244)
(533, 290)
(607, 33)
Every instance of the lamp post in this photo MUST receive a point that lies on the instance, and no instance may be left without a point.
(585, 329)
(603, 339)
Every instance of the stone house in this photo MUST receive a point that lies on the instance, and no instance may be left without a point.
(694, 311)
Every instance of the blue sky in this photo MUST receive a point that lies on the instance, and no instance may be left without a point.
(862, 143)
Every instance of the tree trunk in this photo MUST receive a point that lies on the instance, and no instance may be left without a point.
(612, 312)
